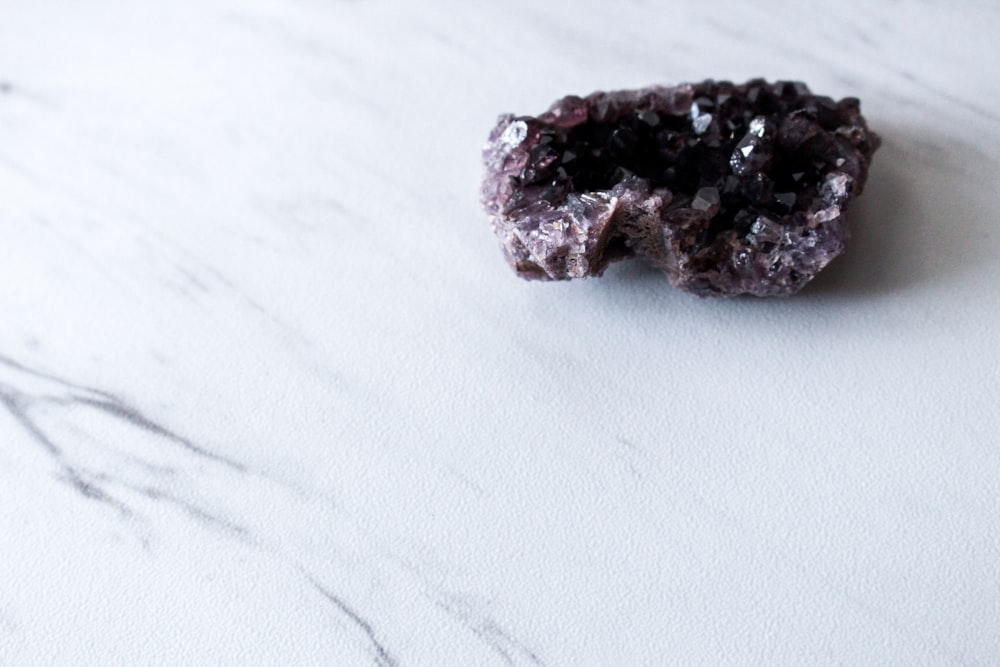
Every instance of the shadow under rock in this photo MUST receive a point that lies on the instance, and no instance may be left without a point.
(921, 220)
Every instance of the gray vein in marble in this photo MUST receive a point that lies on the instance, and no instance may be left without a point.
(380, 653)
(118, 408)
(103, 401)
(474, 617)
(197, 513)
(107, 488)
(18, 405)
(511, 650)
(97, 485)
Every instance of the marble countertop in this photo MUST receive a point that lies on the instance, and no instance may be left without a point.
(269, 394)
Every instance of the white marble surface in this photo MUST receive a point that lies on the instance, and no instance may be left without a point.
(269, 395)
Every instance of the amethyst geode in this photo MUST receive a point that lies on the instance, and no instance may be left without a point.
(730, 189)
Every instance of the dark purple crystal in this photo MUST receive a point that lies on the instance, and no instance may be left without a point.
(730, 189)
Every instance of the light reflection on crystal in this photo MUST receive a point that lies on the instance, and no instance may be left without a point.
(515, 133)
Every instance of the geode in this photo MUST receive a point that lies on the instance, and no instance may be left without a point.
(730, 189)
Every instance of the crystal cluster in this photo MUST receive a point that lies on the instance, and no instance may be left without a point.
(730, 189)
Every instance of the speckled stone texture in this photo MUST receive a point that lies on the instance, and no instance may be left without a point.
(730, 189)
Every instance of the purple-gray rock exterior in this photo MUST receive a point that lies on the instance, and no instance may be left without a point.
(730, 189)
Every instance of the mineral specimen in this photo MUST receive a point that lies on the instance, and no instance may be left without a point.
(730, 189)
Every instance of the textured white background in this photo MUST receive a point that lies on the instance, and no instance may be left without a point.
(269, 395)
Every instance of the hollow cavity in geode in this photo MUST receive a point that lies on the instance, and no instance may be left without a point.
(730, 189)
